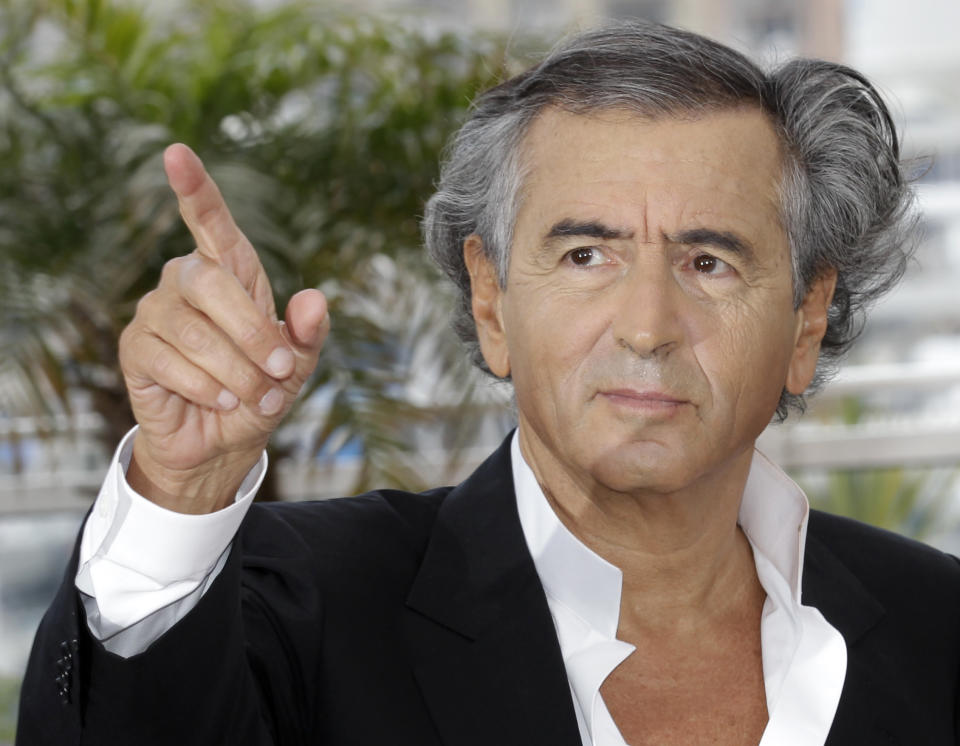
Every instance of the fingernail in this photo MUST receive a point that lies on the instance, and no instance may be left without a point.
(272, 402)
(280, 362)
(227, 400)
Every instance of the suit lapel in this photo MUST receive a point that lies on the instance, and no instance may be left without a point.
(481, 637)
(839, 595)
(869, 699)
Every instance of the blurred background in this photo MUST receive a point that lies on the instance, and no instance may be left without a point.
(323, 124)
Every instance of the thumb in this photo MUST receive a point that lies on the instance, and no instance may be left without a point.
(306, 328)
(307, 319)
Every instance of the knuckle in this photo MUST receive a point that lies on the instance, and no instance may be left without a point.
(128, 340)
(162, 362)
(193, 275)
(196, 388)
(145, 305)
(253, 335)
(125, 335)
(194, 336)
(209, 213)
(171, 269)
(206, 277)
(247, 382)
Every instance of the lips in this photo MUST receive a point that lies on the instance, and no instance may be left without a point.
(650, 397)
(646, 403)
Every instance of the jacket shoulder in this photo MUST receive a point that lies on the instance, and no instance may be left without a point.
(875, 549)
(896, 570)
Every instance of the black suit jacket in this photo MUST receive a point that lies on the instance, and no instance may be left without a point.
(420, 619)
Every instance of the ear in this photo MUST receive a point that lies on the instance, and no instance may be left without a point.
(486, 296)
(811, 326)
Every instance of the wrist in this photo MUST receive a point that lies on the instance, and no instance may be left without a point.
(203, 488)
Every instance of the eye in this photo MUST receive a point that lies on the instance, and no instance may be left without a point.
(709, 265)
(586, 256)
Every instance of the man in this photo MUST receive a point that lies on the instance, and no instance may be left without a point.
(662, 247)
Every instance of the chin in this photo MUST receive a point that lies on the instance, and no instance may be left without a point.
(652, 470)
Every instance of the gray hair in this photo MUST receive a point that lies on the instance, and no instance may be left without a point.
(846, 203)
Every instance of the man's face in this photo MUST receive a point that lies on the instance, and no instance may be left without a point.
(647, 320)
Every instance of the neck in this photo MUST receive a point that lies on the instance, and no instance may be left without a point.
(685, 561)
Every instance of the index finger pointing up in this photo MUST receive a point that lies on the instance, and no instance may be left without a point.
(204, 211)
(209, 220)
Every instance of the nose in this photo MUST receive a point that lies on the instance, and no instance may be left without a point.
(648, 321)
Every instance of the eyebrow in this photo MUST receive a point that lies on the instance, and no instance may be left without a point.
(592, 228)
(709, 237)
(724, 240)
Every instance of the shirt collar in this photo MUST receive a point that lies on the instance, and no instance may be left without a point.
(571, 573)
(773, 514)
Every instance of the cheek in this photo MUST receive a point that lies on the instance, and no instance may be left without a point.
(745, 351)
(551, 337)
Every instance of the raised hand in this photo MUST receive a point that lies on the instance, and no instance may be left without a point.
(209, 367)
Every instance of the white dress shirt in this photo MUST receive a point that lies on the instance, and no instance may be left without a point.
(142, 568)
(804, 657)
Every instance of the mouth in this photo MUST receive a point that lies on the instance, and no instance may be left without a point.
(650, 400)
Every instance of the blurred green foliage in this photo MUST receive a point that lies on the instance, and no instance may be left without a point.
(912, 502)
(324, 131)
(9, 699)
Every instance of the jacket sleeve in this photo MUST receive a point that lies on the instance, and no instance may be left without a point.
(237, 669)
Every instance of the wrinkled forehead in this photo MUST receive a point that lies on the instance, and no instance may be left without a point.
(552, 118)
(732, 158)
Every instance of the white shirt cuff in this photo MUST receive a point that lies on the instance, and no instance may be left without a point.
(137, 558)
